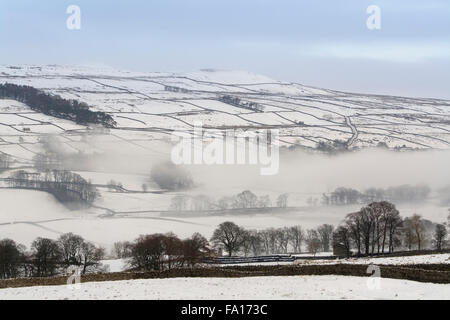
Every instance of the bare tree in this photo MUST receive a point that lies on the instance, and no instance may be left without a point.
(225, 203)
(201, 203)
(229, 236)
(46, 257)
(393, 221)
(312, 241)
(256, 242)
(179, 203)
(173, 250)
(353, 222)
(195, 249)
(282, 238)
(325, 233)
(148, 252)
(439, 237)
(11, 258)
(246, 199)
(415, 229)
(90, 257)
(264, 201)
(282, 200)
(122, 249)
(296, 237)
(341, 241)
(71, 246)
(266, 243)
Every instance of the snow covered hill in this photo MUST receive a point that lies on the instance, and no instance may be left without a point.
(148, 106)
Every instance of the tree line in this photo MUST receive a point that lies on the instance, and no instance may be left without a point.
(375, 229)
(163, 251)
(66, 186)
(237, 102)
(55, 106)
(235, 240)
(49, 257)
(379, 228)
(398, 194)
(243, 200)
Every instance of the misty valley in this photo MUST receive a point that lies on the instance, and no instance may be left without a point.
(87, 158)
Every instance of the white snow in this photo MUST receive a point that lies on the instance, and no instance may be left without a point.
(416, 259)
(285, 288)
(114, 265)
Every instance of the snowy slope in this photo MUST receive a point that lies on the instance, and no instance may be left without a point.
(140, 100)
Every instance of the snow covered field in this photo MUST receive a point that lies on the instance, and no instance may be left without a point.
(296, 287)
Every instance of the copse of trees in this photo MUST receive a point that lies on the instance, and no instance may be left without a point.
(332, 147)
(398, 194)
(171, 177)
(12, 257)
(235, 240)
(166, 251)
(66, 186)
(48, 257)
(379, 228)
(55, 106)
(374, 228)
(238, 103)
(244, 200)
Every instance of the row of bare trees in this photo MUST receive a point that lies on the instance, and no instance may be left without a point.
(379, 228)
(237, 240)
(48, 257)
(398, 194)
(244, 200)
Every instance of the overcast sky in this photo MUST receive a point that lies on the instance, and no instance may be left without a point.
(322, 43)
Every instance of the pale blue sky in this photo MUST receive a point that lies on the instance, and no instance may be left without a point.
(321, 43)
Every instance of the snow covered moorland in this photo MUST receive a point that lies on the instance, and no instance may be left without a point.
(298, 287)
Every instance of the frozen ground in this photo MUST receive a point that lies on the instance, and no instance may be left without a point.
(297, 287)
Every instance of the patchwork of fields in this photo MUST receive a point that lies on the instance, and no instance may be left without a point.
(149, 107)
